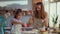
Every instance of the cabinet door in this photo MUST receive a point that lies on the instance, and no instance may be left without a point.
(35, 1)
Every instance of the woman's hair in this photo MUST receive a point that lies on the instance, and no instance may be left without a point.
(42, 13)
(17, 12)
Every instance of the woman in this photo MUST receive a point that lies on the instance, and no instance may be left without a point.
(16, 22)
(40, 17)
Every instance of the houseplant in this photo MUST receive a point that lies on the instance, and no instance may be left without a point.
(55, 20)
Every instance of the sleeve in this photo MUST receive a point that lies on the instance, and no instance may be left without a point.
(16, 20)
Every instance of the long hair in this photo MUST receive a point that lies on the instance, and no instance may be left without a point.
(42, 13)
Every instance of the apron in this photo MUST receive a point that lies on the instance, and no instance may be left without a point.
(16, 28)
(39, 24)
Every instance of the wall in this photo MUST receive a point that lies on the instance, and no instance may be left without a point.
(25, 5)
(52, 10)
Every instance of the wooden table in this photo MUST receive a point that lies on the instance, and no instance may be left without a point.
(56, 31)
(43, 32)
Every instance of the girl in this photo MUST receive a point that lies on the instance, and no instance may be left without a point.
(16, 22)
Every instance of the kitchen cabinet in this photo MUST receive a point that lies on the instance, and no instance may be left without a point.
(35, 1)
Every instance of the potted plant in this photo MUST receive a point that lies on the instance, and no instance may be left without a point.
(55, 20)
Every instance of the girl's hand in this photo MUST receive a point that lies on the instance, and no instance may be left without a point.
(25, 24)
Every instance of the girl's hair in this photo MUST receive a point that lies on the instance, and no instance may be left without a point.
(17, 12)
(42, 13)
(6, 11)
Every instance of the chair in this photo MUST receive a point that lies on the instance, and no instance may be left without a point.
(2, 24)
